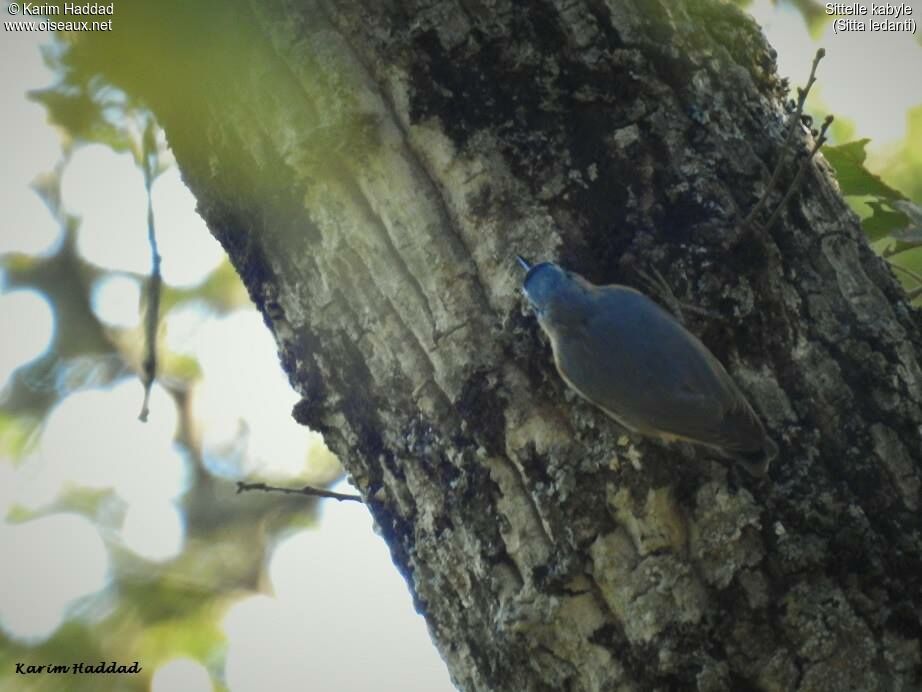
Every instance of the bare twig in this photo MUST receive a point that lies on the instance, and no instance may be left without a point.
(897, 248)
(792, 128)
(306, 490)
(820, 140)
(155, 282)
(908, 272)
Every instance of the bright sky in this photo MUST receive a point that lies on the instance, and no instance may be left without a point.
(871, 78)
(338, 615)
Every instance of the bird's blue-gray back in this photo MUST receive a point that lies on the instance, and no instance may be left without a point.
(639, 364)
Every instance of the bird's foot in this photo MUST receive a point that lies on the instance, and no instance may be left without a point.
(657, 285)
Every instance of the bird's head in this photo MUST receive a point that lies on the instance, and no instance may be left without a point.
(553, 292)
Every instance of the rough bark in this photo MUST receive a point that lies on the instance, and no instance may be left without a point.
(372, 168)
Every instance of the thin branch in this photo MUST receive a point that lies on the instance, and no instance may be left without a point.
(155, 282)
(821, 139)
(792, 128)
(908, 272)
(897, 248)
(306, 490)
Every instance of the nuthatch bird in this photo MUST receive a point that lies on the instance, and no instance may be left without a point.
(628, 356)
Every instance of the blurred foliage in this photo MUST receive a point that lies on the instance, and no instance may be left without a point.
(883, 199)
(854, 179)
(813, 12)
(73, 641)
(151, 612)
(17, 435)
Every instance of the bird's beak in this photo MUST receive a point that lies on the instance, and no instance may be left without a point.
(524, 263)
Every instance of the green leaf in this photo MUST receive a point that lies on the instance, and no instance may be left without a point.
(181, 366)
(854, 179)
(83, 114)
(911, 232)
(911, 260)
(882, 222)
(17, 435)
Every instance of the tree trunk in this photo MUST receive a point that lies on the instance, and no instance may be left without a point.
(373, 167)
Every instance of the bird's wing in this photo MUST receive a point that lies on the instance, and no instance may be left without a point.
(636, 362)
